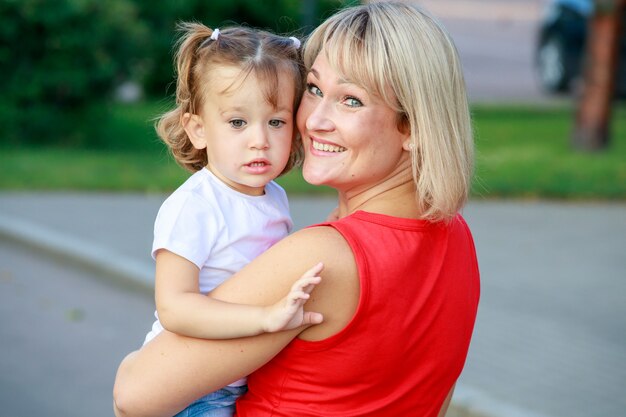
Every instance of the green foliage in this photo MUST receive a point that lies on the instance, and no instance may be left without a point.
(279, 16)
(60, 60)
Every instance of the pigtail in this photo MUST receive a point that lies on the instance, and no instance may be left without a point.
(169, 126)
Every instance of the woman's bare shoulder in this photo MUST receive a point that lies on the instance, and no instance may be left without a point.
(309, 246)
(268, 277)
(337, 296)
(289, 258)
(320, 240)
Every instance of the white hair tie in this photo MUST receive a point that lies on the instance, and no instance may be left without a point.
(296, 41)
(215, 34)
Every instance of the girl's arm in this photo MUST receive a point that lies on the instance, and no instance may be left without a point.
(171, 371)
(183, 310)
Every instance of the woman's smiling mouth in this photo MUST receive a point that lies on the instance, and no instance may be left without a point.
(325, 147)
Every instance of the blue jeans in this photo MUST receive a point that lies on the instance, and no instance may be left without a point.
(220, 403)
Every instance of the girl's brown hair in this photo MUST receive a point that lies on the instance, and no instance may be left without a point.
(261, 53)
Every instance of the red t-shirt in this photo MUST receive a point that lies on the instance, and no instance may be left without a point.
(407, 342)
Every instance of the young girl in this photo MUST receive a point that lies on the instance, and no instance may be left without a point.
(233, 125)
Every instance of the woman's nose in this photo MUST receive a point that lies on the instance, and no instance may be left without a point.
(320, 117)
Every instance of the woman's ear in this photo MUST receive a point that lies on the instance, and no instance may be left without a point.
(194, 126)
(407, 145)
(405, 130)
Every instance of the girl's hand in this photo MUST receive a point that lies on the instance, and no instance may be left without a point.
(288, 313)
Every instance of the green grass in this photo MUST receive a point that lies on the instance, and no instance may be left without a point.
(526, 152)
(521, 152)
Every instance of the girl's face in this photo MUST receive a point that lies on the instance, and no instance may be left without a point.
(248, 141)
(351, 139)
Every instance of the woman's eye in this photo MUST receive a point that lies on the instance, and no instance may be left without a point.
(276, 123)
(353, 102)
(312, 88)
(237, 123)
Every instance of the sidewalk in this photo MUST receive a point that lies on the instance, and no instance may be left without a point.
(550, 340)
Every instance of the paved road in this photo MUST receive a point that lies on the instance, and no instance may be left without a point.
(63, 331)
(550, 339)
(495, 40)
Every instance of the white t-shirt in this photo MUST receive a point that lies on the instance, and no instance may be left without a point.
(218, 228)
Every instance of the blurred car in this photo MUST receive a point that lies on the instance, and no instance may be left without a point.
(560, 46)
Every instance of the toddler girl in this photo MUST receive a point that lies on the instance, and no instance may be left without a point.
(233, 126)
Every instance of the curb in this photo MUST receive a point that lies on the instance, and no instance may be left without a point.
(96, 257)
(466, 401)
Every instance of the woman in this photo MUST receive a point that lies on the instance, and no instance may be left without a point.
(384, 121)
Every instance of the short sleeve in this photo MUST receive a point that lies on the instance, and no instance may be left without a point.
(279, 196)
(187, 226)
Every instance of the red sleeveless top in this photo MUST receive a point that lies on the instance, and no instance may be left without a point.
(407, 342)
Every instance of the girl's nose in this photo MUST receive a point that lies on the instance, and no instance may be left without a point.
(259, 139)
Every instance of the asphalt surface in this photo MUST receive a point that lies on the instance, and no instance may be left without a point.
(550, 340)
(496, 41)
(63, 331)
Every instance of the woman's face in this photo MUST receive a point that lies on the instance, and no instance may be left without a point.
(351, 138)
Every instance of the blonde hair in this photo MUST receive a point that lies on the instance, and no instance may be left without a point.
(266, 55)
(396, 48)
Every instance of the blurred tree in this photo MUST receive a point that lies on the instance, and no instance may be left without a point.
(60, 60)
(594, 107)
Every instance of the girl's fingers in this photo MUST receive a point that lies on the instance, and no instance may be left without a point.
(299, 296)
(316, 269)
(306, 284)
(311, 317)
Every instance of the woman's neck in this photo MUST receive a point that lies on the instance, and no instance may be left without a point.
(395, 196)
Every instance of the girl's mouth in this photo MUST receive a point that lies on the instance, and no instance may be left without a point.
(259, 162)
(258, 167)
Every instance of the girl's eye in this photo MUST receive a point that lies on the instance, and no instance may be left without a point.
(237, 123)
(353, 102)
(312, 88)
(276, 123)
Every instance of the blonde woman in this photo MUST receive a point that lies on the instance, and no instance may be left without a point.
(384, 121)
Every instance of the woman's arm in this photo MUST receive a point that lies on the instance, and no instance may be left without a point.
(183, 310)
(171, 371)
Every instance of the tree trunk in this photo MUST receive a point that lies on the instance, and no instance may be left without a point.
(594, 108)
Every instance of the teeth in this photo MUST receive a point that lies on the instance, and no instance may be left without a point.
(327, 148)
(257, 164)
